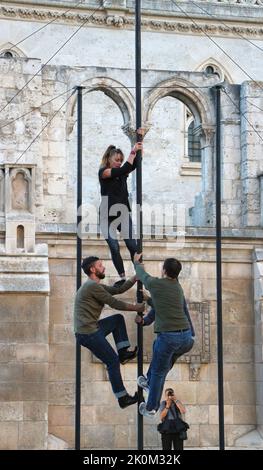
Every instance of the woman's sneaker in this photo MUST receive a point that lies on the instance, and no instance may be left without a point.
(143, 383)
(144, 412)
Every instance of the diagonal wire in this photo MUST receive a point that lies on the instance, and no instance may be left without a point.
(45, 25)
(44, 127)
(52, 57)
(214, 42)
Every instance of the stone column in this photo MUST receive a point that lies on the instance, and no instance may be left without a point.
(24, 319)
(203, 212)
(251, 151)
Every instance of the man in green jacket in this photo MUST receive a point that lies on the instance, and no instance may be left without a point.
(91, 332)
(173, 330)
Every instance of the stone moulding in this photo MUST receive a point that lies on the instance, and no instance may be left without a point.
(119, 21)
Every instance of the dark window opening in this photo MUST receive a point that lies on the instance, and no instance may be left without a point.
(194, 147)
(20, 241)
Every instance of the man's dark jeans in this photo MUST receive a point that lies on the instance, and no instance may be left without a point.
(101, 348)
(109, 232)
(167, 347)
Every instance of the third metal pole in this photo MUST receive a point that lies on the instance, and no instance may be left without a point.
(139, 203)
(219, 271)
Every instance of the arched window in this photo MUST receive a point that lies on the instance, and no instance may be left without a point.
(212, 70)
(11, 51)
(8, 55)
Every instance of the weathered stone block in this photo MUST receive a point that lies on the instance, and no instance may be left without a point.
(8, 436)
(97, 437)
(34, 391)
(32, 352)
(35, 372)
(11, 372)
(228, 414)
(62, 393)
(62, 415)
(35, 410)
(11, 411)
(244, 414)
(33, 436)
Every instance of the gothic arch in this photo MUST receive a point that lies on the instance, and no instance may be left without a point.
(192, 97)
(200, 101)
(114, 90)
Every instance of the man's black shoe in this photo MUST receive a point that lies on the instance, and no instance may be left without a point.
(119, 283)
(126, 356)
(128, 400)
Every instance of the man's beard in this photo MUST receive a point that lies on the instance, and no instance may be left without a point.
(100, 275)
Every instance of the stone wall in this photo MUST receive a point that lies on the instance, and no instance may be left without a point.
(194, 379)
(24, 351)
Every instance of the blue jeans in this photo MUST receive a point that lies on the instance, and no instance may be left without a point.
(111, 238)
(167, 348)
(101, 348)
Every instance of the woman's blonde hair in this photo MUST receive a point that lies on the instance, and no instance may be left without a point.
(109, 152)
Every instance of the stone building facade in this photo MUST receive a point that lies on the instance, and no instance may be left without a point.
(187, 49)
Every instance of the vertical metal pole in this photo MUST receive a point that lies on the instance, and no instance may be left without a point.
(139, 204)
(219, 272)
(79, 257)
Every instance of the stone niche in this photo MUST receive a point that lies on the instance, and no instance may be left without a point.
(19, 208)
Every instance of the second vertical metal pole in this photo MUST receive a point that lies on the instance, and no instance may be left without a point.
(219, 272)
(79, 257)
(139, 204)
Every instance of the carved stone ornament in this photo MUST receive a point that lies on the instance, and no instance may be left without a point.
(119, 21)
(194, 371)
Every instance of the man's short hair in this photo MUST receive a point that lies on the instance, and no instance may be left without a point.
(172, 267)
(87, 263)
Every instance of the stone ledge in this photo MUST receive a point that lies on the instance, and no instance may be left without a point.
(37, 283)
(70, 229)
(191, 169)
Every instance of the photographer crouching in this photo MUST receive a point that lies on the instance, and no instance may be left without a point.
(172, 428)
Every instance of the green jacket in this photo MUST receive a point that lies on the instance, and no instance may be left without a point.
(168, 299)
(90, 300)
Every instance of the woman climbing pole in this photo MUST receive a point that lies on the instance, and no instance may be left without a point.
(115, 210)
